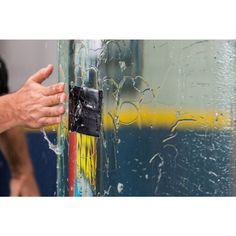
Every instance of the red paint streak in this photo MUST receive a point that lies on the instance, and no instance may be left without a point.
(72, 160)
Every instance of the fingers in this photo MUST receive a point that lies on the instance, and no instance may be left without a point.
(54, 89)
(55, 99)
(50, 120)
(42, 74)
(53, 111)
(52, 115)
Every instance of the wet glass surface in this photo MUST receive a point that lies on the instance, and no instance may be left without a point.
(168, 118)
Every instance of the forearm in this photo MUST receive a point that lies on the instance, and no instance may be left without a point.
(8, 117)
(14, 147)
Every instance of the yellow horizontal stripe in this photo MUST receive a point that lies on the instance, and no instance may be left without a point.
(166, 118)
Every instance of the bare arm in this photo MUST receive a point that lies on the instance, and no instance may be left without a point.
(14, 147)
(33, 105)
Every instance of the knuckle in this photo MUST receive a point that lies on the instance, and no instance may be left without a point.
(57, 88)
(52, 90)
(52, 100)
(48, 113)
(52, 111)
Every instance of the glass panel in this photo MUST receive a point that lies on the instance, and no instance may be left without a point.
(168, 118)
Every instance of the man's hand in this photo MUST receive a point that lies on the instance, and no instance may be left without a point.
(36, 105)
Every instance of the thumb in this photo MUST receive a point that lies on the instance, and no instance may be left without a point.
(42, 74)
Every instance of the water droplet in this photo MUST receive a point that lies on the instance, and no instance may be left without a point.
(120, 187)
(104, 143)
(122, 66)
(177, 114)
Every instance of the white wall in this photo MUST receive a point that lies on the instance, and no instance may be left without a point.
(25, 57)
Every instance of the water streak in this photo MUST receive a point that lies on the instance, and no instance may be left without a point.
(58, 150)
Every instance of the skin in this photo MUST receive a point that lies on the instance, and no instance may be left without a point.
(34, 105)
(14, 148)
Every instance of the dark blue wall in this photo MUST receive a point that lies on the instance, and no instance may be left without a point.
(191, 164)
